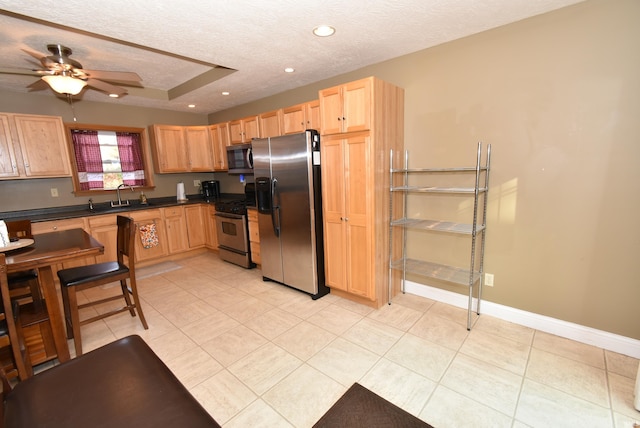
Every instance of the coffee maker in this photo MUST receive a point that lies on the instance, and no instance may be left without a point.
(211, 190)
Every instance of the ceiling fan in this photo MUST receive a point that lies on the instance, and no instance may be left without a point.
(66, 76)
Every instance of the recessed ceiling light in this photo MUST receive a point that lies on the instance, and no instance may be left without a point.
(114, 95)
(225, 93)
(191, 106)
(324, 31)
(289, 70)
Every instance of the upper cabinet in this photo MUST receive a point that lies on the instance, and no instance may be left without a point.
(219, 137)
(270, 124)
(181, 149)
(346, 108)
(243, 130)
(298, 118)
(32, 146)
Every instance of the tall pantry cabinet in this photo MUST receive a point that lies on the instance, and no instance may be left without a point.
(361, 122)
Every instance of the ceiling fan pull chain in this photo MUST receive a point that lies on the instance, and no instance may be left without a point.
(70, 99)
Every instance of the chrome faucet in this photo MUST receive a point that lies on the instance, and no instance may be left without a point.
(120, 203)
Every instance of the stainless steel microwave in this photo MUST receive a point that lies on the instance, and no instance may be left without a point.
(240, 159)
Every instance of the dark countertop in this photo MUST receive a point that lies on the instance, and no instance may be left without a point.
(75, 211)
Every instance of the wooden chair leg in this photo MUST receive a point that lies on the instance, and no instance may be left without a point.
(127, 299)
(75, 319)
(136, 299)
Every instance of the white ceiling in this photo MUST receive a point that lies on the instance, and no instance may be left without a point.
(170, 42)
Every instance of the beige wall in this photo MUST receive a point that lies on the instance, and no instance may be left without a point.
(558, 98)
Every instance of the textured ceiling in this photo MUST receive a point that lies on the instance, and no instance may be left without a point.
(169, 43)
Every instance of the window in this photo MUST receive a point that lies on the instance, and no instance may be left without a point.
(106, 157)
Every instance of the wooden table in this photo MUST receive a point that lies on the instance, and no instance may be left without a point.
(47, 250)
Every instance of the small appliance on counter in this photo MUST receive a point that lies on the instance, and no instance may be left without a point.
(210, 190)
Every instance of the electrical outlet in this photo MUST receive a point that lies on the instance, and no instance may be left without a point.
(196, 183)
(54, 192)
(488, 279)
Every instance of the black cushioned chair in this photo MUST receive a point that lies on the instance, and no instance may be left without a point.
(84, 277)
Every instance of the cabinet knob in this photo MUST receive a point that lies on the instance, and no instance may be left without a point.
(55, 227)
(339, 118)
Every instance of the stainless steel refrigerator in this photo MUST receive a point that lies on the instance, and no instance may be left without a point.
(289, 203)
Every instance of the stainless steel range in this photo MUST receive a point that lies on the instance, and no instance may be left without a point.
(233, 232)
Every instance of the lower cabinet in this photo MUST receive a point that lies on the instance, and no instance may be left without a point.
(148, 218)
(210, 227)
(176, 225)
(104, 229)
(254, 236)
(196, 230)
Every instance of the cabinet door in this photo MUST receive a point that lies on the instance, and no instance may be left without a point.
(293, 119)
(357, 216)
(251, 128)
(219, 148)
(143, 218)
(8, 162)
(43, 145)
(333, 206)
(210, 224)
(331, 111)
(177, 240)
(199, 147)
(270, 124)
(170, 149)
(236, 132)
(254, 236)
(312, 115)
(196, 230)
(357, 106)
(105, 230)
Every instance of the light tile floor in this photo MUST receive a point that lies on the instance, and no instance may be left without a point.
(258, 354)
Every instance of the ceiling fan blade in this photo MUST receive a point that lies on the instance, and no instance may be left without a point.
(23, 71)
(106, 87)
(118, 76)
(37, 55)
(38, 85)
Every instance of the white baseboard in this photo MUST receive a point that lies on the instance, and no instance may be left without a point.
(591, 336)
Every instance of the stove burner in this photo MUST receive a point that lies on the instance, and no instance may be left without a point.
(234, 206)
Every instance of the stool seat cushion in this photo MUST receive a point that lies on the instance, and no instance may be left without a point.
(90, 273)
(24, 275)
(122, 384)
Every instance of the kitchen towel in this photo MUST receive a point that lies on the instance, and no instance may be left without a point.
(4, 234)
(180, 192)
(148, 235)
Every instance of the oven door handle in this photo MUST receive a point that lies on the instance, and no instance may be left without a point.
(275, 211)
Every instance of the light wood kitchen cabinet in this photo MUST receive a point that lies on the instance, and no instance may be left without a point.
(346, 108)
(241, 131)
(33, 146)
(145, 218)
(196, 229)
(270, 124)
(355, 198)
(254, 236)
(219, 137)
(199, 148)
(181, 149)
(298, 118)
(104, 228)
(210, 227)
(176, 225)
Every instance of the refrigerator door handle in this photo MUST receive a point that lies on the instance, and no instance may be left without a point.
(275, 211)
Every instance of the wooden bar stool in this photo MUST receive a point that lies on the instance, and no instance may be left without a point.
(84, 277)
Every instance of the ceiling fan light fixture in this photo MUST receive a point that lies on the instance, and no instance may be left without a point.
(65, 84)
